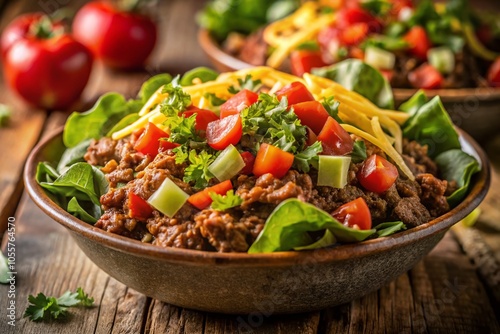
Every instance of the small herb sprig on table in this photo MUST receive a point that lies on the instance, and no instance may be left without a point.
(44, 308)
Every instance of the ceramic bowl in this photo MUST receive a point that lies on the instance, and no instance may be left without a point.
(285, 282)
(476, 110)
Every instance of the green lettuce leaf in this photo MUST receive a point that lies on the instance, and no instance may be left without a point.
(73, 155)
(95, 123)
(389, 228)
(203, 73)
(456, 165)
(288, 225)
(361, 78)
(151, 86)
(89, 215)
(430, 125)
(414, 103)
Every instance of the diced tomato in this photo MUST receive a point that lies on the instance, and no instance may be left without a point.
(138, 207)
(202, 199)
(334, 139)
(271, 159)
(149, 142)
(347, 17)
(418, 41)
(354, 213)
(295, 92)
(398, 5)
(494, 73)
(388, 74)
(224, 132)
(311, 114)
(355, 52)
(425, 77)
(329, 42)
(377, 174)
(303, 61)
(243, 99)
(311, 137)
(249, 160)
(354, 34)
(203, 117)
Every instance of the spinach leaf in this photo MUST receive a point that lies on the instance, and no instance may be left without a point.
(124, 122)
(95, 123)
(358, 152)
(78, 211)
(152, 85)
(386, 229)
(386, 42)
(46, 173)
(361, 78)
(78, 181)
(328, 239)
(288, 225)
(414, 103)
(456, 165)
(73, 155)
(202, 73)
(430, 125)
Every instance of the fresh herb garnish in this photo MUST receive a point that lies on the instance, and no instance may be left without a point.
(222, 203)
(308, 156)
(44, 308)
(214, 100)
(247, 83)
(332, 107)
(269, 120)
(197, 172)
(358, 151)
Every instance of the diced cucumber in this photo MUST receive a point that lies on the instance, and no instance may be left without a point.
(380, 59)
(333, 170)
(442, 59)
(168, 199)
(228, 164)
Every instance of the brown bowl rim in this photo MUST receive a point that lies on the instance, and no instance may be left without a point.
(338, 253)
(213, 49)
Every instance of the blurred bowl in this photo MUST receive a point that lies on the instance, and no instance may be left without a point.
(284, 282)
(475, 110)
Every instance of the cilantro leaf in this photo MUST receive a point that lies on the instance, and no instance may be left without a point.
(247, 83)
(42, 307)
(84, 298)
(308, 156)
(214, 100)
(197, 171)
(332, 107)
(358, 152)
(177, 99)
(269, 120)
(222, 203)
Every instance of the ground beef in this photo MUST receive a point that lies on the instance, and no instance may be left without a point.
(268, 189)
(254, 50)
(413, 202)
(226, 233)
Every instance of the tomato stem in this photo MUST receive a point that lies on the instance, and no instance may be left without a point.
(42, 28)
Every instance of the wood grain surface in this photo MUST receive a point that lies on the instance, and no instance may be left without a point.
(455, 289)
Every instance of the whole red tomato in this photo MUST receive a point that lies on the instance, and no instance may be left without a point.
(121, 39)
(42, 63)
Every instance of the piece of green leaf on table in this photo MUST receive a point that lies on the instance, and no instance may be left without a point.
(42, 308)
(431, 125)
(152, 85)
(289, 225)
(5, 114)
(4, 269)
(456, 165)
(96, 122)
(361, 78)
(389, 228)
(472, 218)
(202, 73)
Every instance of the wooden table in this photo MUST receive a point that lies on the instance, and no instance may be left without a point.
(455, 289)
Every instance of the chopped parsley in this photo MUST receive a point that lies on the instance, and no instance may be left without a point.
(359, 151)
(222, 203)
(332, 107)
(197, 172)
(247, 83)
(270, 121)
(214, 100)
(308, 156)
(42, 307)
